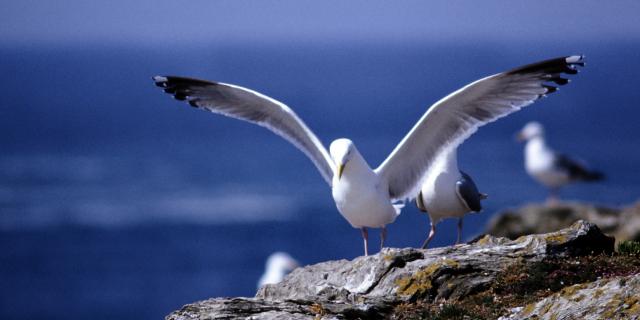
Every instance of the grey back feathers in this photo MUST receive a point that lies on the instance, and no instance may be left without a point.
(468, 193)
(576, 170)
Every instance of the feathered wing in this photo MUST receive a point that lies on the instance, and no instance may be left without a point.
(457, 116)
(244, 104)
(576, 169)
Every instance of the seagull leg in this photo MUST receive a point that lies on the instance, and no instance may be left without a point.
(365, 236)
(459, 230)
(431, 233)
(383, 236)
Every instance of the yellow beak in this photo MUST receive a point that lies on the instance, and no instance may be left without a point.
(340, 169)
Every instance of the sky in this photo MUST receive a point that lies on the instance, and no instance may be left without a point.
(29, 22)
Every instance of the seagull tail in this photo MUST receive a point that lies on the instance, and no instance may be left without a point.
(593, 176)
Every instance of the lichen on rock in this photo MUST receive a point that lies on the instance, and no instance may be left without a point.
(483, 279)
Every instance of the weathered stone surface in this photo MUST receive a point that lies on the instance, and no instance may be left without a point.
(615, 298)
(370, 287)
(623, 224)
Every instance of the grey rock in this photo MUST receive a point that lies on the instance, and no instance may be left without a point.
(615, 298)
(623, 224)
(370, 287)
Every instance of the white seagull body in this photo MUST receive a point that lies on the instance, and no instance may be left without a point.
(359, 194)
(549, 168)
(448, 192)
(366, 197)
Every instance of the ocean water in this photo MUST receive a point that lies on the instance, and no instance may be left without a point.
(117, 202)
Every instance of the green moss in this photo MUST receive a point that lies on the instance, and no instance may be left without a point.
(629, 247)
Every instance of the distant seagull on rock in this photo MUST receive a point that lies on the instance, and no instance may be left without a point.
(278, 265)
(552, 169)
(448, 192)
(372, 198)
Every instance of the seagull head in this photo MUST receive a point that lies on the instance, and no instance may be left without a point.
(278, 266)
(341, 151)
(281, 262)
(531, 130)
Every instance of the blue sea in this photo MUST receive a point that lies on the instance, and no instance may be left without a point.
(117, 202)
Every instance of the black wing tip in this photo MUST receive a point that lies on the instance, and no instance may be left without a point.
(165, 81)
(594, 176)
(550, 89)
(179, 87)
(550, 71)
(566, 64)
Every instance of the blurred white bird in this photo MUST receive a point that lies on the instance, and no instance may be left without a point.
(369, 198)
(278, 265)
(551, 169)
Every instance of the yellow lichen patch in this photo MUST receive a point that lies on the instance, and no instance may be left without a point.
(528, 309)
(633, 305)
(569, 291)
(556, 238)
(546, 308)
(484, 240)
(417, 283)
(450, 263)
(612, 307)
(598, 293)
(318, 310)
(553, 317)
(420, 282)
(388, 257)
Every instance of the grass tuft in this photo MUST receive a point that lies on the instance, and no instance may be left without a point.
(629, 247)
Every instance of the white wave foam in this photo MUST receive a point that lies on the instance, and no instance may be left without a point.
(194, 208)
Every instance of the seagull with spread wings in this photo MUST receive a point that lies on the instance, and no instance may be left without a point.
(372, 198)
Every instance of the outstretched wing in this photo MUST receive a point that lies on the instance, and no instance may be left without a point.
(244, 104)
(457, 116)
